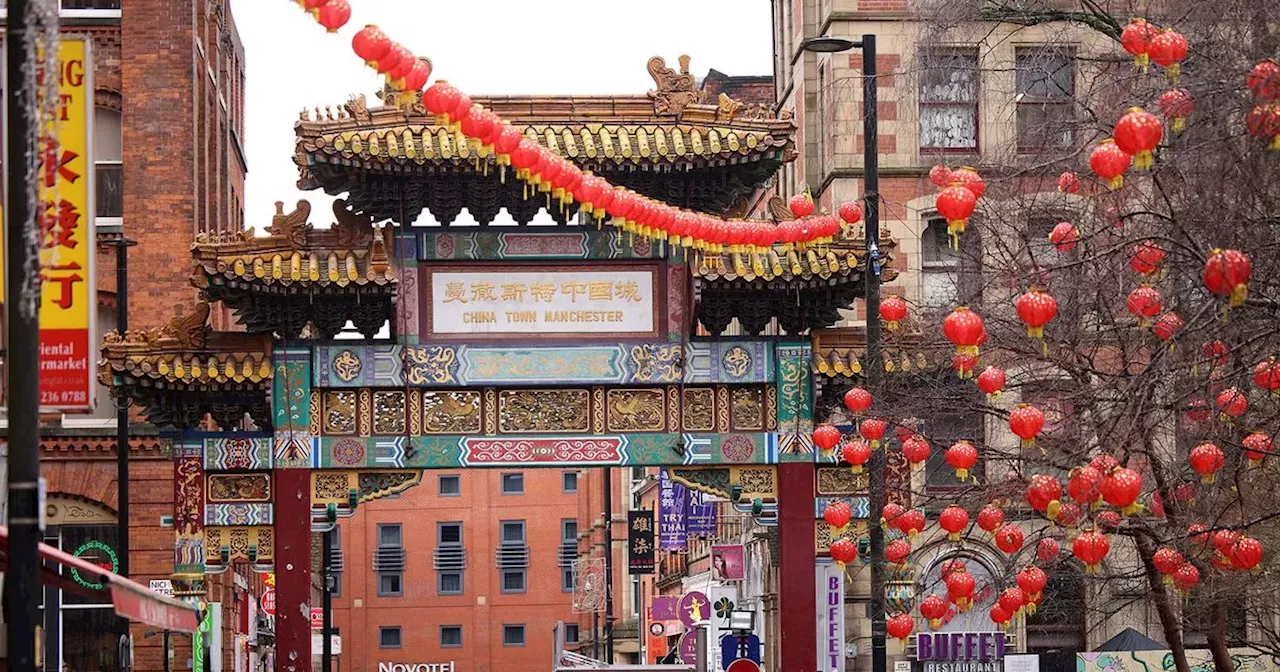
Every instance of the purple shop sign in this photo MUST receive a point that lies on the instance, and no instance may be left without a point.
(960, 646)
(665, 608)
(701, 517)
(673, 509)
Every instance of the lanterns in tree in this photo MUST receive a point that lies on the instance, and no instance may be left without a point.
(1216, 352)
(940, 175)
(1226, 273)
(843, 551)
(965, 329)
(1256, 447)
(1167, 561)
(1032, 581)
(1245, 553)
(897, 551)
(1167, 326)
(916, 449)
(873, 429)
(856, 453)
(962, 457)
(837, 515)
(1136, 38)
(891, 514)
(1044, 494)
(1176, 105)
(371, 44)
(1068, 515)
(893, 310)
(1026, 421)
(1104, 463)
(1224, 539)
(1048, 550)
(934, 608)
(850, 212)
(953, 519)
(1083, 485)
(1110, 163)
(899, 626)
(1266, 375)
(991, 382)
(969, 178)
(1107, 519)
(1232, 403)
(1206, 459)
(999, 615)
(334, 14)
(1091, 548)
(911, 522)
(1197, 411)
(857, 400)
(1168, 50)
(1144, 303)
(1121, 488)
(1263, 122)
(1198, 533)
(1186, 577)
(1064, 236)
(1036, 308)
(1069, 183)
(1264, 81)
(990, 518)
(1012, 599)
(960, 586)
(964, 365)
(1147, 258)
(956, 203)
(826, 437)
(1009, 539)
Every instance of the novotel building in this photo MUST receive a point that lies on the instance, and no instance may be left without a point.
(960, 651)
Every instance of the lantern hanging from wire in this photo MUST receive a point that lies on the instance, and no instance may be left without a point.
(960, 587)
(1168, 50)
(1167, 326)
(1083, 485)
(826, 437)
(1264, 81)
(1110, 163)
(1144, 303)
(857, 400)
(873, 429)
(1176, 105)
(1232, 403)
(1064, 237)
(1009, 538)
(900, 626)
(1227, 273)
(1186, 578)
(1121, 488)
(934, 609)
(962, 457)
(916, 450)
(334, 14)
(893, 310)
(1044, 494)
(1206, 459)
(1069, 183)
(856, 453)
(1091, 547)
(843, 551)
(1048, 550)
(956, 203)
(990, 518)
(953, 520)
(1266, 375)
(940, 175)
(1257, 446)
(1138, 133)
(897, 551)
(1026, 421)
(1136, 39)
(1036, 308)
(991, 382)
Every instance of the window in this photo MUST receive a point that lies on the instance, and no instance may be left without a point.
(513, 531)
(513, 557)
(389, 637)
(449, 583)
(388, 560)
(450, 559)
(570, 633)
(949, 101)
(941, 266)
(513, 635)
(389, 585)
(513, 484)
(449, 533)
(389, 535)
(568, 553)
(569, 482)
(513, 581)
(1059, 622)
(108, 161)
(450, 636)
(1046, 87)
(90, 4)
(450, 485)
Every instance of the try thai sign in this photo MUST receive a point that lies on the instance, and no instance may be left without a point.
(541, 300)
(960, 651)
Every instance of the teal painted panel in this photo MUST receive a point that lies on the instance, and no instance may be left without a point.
(795, 403)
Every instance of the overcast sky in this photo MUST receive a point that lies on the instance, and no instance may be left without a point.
(480, 46)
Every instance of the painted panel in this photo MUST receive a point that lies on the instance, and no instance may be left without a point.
(238, 453)
(795, 402)
(499, 245)
(860, 505)
(238, 514)
(188, 507)
(1199, 660)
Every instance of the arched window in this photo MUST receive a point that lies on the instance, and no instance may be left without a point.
(108, 158)
(987, 580)
(84, 632)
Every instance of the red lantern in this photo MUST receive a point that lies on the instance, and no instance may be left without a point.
(857, 400)
(1232, 403)
(371, 44)
(1266, 375)
(1026, 421)
(897, 551)
(1136, 39)
(1167, 561)
(1084, 485)
(991, 381)
(826, 437)
(801, 205)
(990, 518)
(916, 450)
(843, 551)
(1107, 519)
(1044, 494)
(953, 519)
(1224, 539)
(1012, 599)
(1198, 533)
(1110, 163)
(1144, 303)
(964, 328)
(956, 204)
(1032, 581)
(1104, 463)
(1048, 550)
(912, 522)
(1206, 459)
(1064, 237)
(1168, 50)
(856, 453)
(933, 608)
(1009, 539)
(850, 212)
(1176, 105)
(952, 566)
(1185, 493)
(1069, 183)
(969, 178)
(964, 365)
(893, 310)
(940, 175)
(1121, 488)
(1264, 81)
(837, 515)
(1167, 326)
(405, 60)
(1197, 411)
(334, 14)
(417, 78)
(1216, 352)
(1226, 273)
(1186, 578)
(1147, 257)
(1246, 553)
(1263, 122)
(873, 429)
(962, 457)
(1256, 447)
(999, 615)
(1036, 308)
(1091, 548)
(891, 515)
(900, 626)
(1068, 515)
(960, 587)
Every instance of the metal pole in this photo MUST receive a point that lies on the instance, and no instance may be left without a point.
(326, 602)
(122, 412)
(608, 565)
(871, 196)
(22, 580)
(595, 635)
(166, 651)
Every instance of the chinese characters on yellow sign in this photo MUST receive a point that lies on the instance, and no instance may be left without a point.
(64, 214)
(619, 302)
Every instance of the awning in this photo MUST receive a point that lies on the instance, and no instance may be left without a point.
(131, 600)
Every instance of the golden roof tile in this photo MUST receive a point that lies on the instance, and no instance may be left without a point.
(185, 353)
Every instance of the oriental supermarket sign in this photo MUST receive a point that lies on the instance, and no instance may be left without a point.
(416, 667)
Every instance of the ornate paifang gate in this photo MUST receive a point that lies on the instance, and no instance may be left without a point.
(549, 346)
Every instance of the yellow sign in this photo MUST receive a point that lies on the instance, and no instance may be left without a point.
(64, 215)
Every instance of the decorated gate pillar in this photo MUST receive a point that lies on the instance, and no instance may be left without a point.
(295, 452)
(797, 564)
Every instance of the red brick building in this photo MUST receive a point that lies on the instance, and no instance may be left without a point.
(169, 121)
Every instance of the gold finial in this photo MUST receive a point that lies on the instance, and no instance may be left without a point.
(684, 64)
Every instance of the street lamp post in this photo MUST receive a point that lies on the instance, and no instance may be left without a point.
(870, 372)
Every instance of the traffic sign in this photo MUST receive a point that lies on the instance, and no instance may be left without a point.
(269, 602)
(743, 665)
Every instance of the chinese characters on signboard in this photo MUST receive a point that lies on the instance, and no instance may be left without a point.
(673, 504)
(640, 548)
(64, 213)
(561, 301)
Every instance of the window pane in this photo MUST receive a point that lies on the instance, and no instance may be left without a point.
(571, 633)
(512, 484)
(388, 585)
(513, 581)
(108, 138)
(949, 126)
(389, 638)
(89, 4)
(1044, 126)
(569, 529)
(108, 189)
(450, 486)
(570, 481)
(513, 635)
(451, 635)
(389, 535)
(1045, 74)
(513, 531)
(566, 579)
(936, 244)
(450, 583)
(451, 533)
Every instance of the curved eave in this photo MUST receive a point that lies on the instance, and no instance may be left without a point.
(835, 267)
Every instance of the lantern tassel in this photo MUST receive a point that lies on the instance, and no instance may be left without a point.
(1143, 160)
(1044, 349)
(1173, 71)
(1116, 182)
(1179, 124)
(1238, 294)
